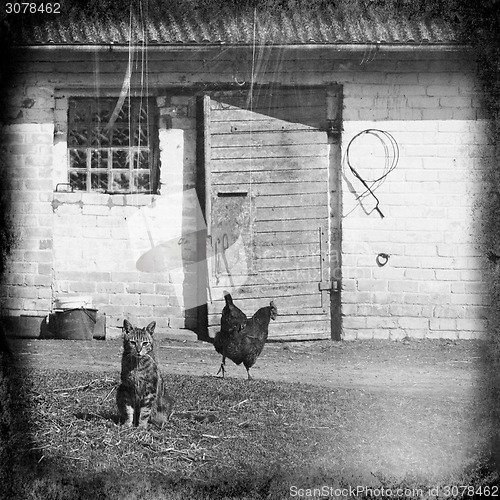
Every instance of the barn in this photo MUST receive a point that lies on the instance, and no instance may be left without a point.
(332, 160)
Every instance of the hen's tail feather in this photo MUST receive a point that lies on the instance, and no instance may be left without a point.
(228, 298)
(274, 310)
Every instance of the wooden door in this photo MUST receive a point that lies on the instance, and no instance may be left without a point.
(269, 200)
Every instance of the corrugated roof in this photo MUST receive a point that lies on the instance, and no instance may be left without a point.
(352, 22)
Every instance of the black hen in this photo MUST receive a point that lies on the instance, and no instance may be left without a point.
(231, 321)
(242, 340)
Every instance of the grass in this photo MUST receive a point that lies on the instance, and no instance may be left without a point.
(258, 439)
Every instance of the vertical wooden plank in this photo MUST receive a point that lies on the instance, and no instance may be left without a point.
(334, 117)
(207, 153)
(203, 182)
(207, 149)
(325, 268)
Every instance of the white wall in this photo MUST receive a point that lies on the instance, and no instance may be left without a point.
(433, 285)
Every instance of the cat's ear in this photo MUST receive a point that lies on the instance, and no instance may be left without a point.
(127, 327)
(151, 327)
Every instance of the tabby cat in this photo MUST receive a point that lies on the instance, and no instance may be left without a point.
(141, 396)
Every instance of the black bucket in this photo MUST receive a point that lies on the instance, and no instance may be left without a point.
(75, 324)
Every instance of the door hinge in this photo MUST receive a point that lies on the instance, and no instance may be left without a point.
(332, 286)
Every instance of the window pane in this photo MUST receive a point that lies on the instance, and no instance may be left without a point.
(78, 180)
(141, 159)
(77, 158)
(141, 135)
(79, 111)
(78, 137)
(99, 159)
(120, 159)
(121, 181)
(99, 181)
(124, 114)
(101, 112)
(100, 136)
(121, 136)
(141, 181)
(143, 111)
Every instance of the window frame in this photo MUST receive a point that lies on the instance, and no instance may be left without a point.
(92, 102)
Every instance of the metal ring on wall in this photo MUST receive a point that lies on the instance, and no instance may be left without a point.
(382, 259)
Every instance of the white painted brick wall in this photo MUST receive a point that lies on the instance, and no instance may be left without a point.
(430, 230)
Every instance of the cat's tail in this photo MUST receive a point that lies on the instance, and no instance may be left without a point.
(163, 411)
(165, 404)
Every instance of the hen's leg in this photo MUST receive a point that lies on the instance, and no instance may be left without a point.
(248, 373)
(222, 368)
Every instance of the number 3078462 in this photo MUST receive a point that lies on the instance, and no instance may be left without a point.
(32, 8)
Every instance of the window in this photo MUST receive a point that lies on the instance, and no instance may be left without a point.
(112, 150)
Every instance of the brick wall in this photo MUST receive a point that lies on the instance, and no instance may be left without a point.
(27, 281)
(433, 283)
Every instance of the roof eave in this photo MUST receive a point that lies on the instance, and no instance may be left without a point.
(338, 47)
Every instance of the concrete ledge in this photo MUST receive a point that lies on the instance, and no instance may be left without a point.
(27, 327)
(37, 327)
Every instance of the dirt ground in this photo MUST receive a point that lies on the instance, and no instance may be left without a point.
(434, 368)
(419, 404)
